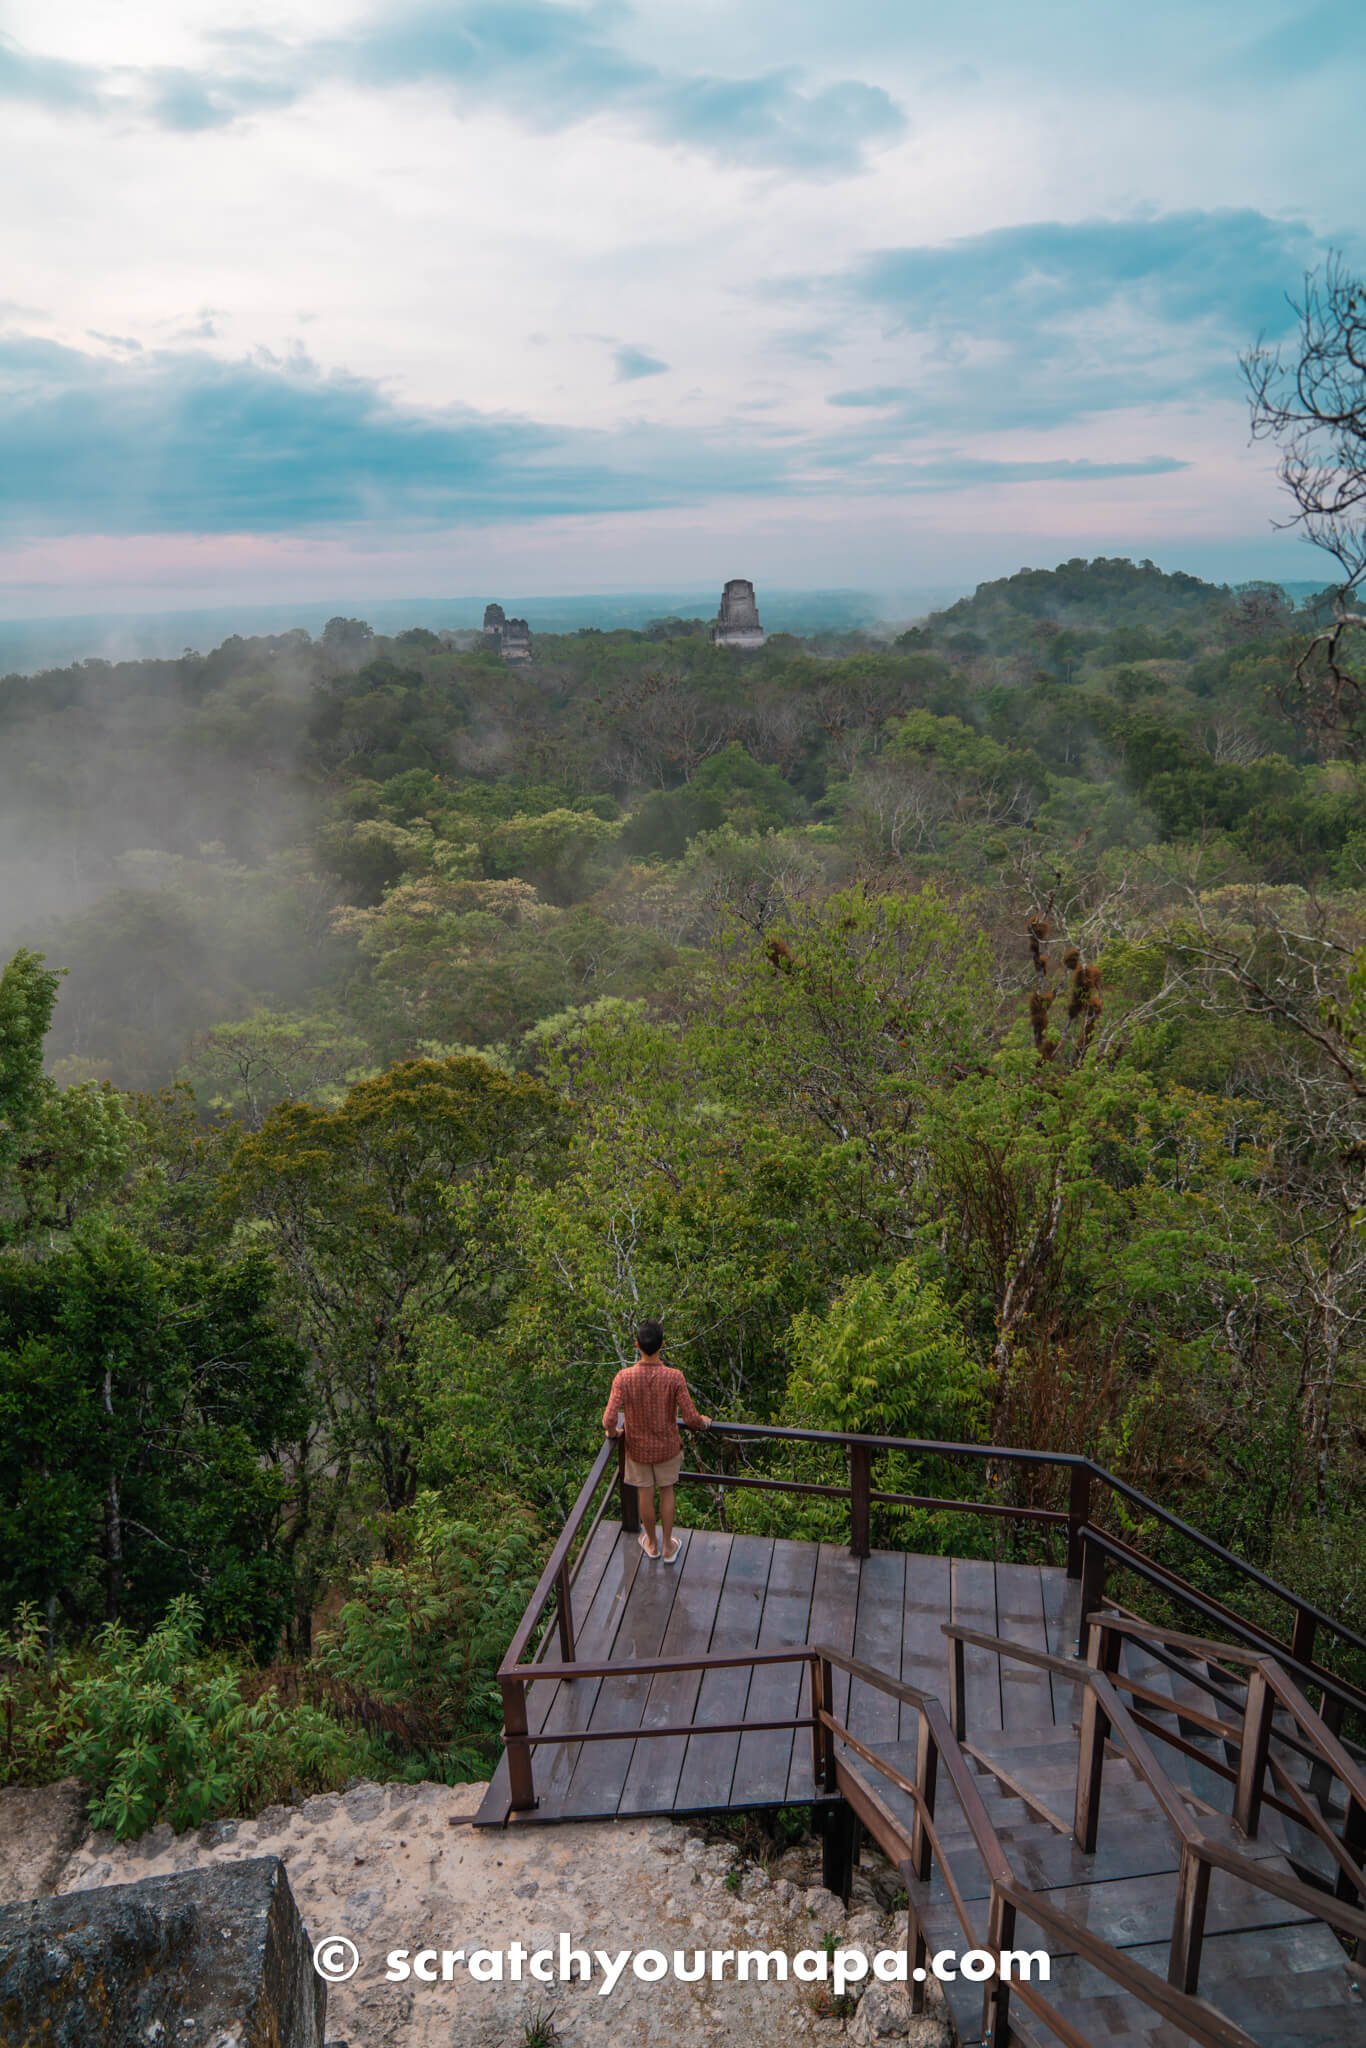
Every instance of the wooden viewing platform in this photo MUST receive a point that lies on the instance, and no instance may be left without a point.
(735, 1595)
(1167, 1814)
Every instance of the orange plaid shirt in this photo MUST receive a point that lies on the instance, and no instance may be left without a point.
(653, 1396)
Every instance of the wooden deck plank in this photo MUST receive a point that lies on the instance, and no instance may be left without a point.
(1026, 1692)
(764, 1761)
(709, 1765)
(574, 1700)
(874, 1716)
(652, 1776)
(540, 1698)
(600, 1772)
(834, 1609)
(974, 1605)
(1061, 1609)
(924, 1646)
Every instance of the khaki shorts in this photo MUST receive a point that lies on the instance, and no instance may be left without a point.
(653, 1475)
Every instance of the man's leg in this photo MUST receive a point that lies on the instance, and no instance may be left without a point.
(666, 1516)
(646, 1496)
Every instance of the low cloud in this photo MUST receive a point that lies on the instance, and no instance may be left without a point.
(1050, 322)
(183, 441)
(633, 363)
(549, 66)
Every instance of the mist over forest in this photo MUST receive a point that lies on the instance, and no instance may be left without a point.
(953, 1032)
(196, 841)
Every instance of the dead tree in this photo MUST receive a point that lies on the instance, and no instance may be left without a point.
(1311, 401)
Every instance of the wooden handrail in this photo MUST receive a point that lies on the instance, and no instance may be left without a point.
(1199, 2020)
(1182, 2008)
(646, 1667)
(1215, 1854)
(1116, 1713)
(1069, 1461)
(1320, 1736)
(564, 1543)
(1341, 1689)
(1087, 1547)
(1054, 1518)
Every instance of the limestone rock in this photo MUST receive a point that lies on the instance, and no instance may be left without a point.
(211, 1958)
(884, 2015)
(40, 1826)
(824, 1908)
(443, 1883)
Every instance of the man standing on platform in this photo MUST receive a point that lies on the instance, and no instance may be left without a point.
(645, 1404)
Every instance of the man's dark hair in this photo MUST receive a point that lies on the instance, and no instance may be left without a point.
(650, 1336)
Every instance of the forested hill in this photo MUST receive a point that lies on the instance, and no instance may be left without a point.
(952, 1035)
(1097, 597)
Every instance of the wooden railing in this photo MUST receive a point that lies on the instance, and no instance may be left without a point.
(1091, 1553)
(937, 1745)
(1105, 1718)
(1268, 1688)
(915, 1853)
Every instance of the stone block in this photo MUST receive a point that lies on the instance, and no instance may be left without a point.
(210, 1958)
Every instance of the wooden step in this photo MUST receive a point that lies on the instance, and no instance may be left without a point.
(1288, 1987)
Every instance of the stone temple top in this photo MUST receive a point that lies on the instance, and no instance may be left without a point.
(509, 637)
(737, 622)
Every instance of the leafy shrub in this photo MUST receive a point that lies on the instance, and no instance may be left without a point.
(156, 1731)
(427, 1626)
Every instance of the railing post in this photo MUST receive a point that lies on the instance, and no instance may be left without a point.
(1302, 1636)
(1095, 1726)
(825, 1771)
(1188, 1924)
(521, 1781)
(1093, 1564)
(1354, 1842)
(916, 1946)
(1331, 1713)
(1078, 1517)
(630, 1500)
(1257, 1711)
(1103, 1648)
(839, 1849)
(927, 1778)
(564, 1610)
(860, 1507)
(958, 1688)
(996, 2002)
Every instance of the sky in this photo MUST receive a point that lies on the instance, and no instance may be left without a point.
(519, 295)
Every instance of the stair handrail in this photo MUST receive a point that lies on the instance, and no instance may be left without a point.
(1098, 1686)
(1010, 1896)
(1201, 1852)
(1268, 1683)
(1096, 1547)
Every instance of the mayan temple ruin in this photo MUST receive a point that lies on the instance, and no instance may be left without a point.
(509, 637)
(737, 622)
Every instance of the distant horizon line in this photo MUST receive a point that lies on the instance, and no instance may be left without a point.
(636, 593)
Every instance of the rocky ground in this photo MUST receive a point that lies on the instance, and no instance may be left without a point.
(399, 1867)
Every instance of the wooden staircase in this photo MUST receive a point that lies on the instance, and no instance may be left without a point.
(1198, 1687)
(1270, 1967)
(1164, 1920)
